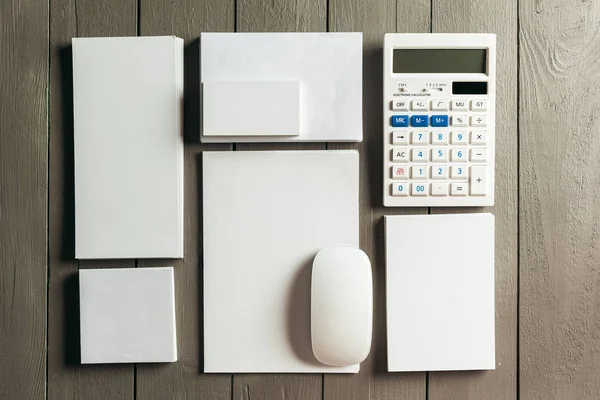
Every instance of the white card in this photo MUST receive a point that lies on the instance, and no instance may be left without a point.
(127, 99)
(251, 108)
(327, 65)
(440, 292)
(266, 215)
(127, 315)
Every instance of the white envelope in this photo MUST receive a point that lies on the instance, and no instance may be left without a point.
(328, 67)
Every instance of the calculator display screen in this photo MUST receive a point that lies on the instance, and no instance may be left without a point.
(439, 61)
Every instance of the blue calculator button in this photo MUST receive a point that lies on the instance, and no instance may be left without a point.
(439, 120)
(419, 120)
(399, 121)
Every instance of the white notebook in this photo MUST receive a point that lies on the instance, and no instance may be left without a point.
(440, 292)
(266, 215)
(127, 100)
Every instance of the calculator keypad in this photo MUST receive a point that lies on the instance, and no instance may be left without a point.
(443, 153)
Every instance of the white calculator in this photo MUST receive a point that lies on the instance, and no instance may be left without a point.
(439, 118)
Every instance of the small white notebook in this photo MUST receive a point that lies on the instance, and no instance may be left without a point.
(127, 315)
(127, 100)
(266, 215)
(440, 292)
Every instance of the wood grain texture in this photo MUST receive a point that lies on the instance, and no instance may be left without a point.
(559, 217)
(279, 16)
(491, 16)
(375, 19)
(66, 378)
(23, 198)
(184, 379)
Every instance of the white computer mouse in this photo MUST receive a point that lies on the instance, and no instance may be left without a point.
(341, 306)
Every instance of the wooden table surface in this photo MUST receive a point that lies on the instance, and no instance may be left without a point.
(547, 195)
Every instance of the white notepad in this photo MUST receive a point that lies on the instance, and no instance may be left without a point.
(440, 292)
(266, 215)
(127, 315)
(127, 99)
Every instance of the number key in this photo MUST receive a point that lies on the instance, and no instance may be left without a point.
(458, 172)
(420, 138)
(419, 189)
(439, 137)
(399, 189)
(418, 171)
(439, 172)
(459, 154)
(439, 154)
(459, 137)
(420, 155)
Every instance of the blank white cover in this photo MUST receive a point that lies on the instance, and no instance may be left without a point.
(440, 292)
(328, 66)
(127, 315)
(127, 99)
(261, 108)
(266, 215)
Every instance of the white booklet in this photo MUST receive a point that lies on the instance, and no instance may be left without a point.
(440, 292)
(127, 100)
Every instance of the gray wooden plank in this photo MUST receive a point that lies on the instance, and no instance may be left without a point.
(184, 379)
(559, 326)
(66, 378)
(279, 16)
(500, 18)
(23, 198)
(375, 19)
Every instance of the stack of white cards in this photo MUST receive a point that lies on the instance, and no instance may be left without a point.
(127, 98)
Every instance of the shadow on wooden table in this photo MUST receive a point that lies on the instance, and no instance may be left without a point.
(67, 200)
(72, 337)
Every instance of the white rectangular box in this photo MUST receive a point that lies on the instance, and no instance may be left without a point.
(127, 99)
(328, 67)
